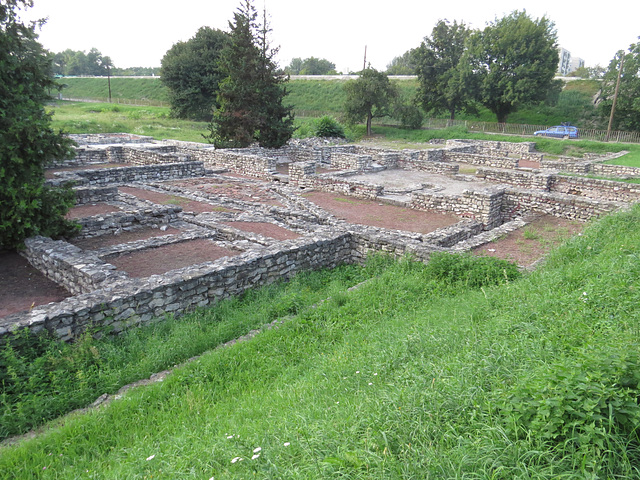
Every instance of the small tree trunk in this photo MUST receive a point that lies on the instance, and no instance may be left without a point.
(369, 117)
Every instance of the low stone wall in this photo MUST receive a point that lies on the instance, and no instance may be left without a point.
(67, 265)
(110, 138)
(110, 223)
(607, 190)
(350, 161)
(243, 164)
(608, 170)
(95, 194)
(520, 202)
(341, 184)
(517, 178)
(105, 176)
(142, 301)
(485, 206)
(427, 161)
(478, 159)
(569, 165)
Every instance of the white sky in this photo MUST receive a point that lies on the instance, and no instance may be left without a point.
(139, 32)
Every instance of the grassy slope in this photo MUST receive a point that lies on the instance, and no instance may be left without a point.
(319, 97)
(398, 379)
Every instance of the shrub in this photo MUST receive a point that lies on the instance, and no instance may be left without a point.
(471, 271)
(329, 127)
(583, 404)
(409, 115)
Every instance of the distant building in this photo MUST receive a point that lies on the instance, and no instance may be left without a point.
(575, 64)
(564, 64)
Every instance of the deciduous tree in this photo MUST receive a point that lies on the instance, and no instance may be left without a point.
(368, 97)
(27, 141)
(511, 63)
(437, 63)
(191, 73)
(627, 112)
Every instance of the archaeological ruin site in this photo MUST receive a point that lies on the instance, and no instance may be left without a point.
(172, 226)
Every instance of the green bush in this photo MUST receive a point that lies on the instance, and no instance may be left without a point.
(471, 271)
(329, 127)
(409, 115)
(581, 404)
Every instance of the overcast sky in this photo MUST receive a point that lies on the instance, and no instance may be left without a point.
(139, 32)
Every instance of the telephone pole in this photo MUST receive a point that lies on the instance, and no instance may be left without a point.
(615, 99)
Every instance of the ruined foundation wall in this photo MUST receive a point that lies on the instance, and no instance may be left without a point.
(143, 301)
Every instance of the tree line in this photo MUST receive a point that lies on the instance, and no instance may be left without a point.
(507, 65)
(93, 63)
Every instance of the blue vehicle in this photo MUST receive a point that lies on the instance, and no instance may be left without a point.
(559, 131)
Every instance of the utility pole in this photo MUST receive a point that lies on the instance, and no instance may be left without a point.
(615, 99)
(109, 81)
(364, 67)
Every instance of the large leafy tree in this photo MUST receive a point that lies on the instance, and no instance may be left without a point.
(627, 112)
(251, 95)
(437, 63)
(371, 95)
(27, 141)
(191, 74)
(511, 63)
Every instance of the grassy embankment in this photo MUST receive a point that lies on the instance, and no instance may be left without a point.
(314, 98)
(422, 372)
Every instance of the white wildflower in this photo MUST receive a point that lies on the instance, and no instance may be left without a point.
(235, 459)
(151, 457)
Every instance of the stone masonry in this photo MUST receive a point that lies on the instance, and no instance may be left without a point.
(498, 198)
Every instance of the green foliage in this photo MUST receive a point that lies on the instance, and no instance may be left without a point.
(585, 404)
(71, 62)
(42, 378)
(310, 66)
(408, 113)
(472, 272)
(27, 142)
(512, 62)
(191, 74)
(328, 127)
(404, 64)
(439, 70)
(627, 111)
(251, 95)
(121, 89)
(369, 96)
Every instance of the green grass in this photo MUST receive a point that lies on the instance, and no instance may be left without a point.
(413, 375)
(123, 88)
(45, 378)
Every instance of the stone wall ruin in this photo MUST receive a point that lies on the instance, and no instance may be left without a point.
(496, 199)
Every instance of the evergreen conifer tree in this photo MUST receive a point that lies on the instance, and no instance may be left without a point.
(251, 95)
(27, 142)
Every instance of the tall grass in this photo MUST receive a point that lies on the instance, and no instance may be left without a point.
(42, 378)
(405, 377)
